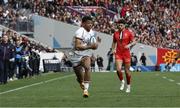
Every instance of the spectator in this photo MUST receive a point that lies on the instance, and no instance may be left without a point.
(93, 63)
(19, 53)
(167, 67)
(110, 60)
(100, 63)
(6, 53)
(133, 59)
(143, 59)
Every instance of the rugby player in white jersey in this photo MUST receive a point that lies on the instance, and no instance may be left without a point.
(83, 48)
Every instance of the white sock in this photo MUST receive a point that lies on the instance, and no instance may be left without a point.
(122, 81)
(86, 86)
(128, 86)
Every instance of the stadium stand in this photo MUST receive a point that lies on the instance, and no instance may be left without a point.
(151, 20)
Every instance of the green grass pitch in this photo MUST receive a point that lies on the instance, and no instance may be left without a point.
(149, 89)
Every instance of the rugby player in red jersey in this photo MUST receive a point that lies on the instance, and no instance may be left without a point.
(123, 39)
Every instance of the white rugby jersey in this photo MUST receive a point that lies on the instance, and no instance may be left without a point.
(81, 33)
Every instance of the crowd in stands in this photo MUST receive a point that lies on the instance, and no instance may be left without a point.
(155, 22)
(19, 56)
(13, 36)
(14, 15)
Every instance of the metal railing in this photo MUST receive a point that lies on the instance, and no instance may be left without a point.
(19, 26)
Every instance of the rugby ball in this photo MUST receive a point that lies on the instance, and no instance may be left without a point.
(93, 40)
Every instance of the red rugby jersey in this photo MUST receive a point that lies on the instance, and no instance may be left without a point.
(127, 37)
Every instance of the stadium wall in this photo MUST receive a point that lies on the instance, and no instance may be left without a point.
(150, 53)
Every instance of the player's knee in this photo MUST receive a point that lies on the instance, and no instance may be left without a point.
(127, 71)
(87, 68)
(118, 69)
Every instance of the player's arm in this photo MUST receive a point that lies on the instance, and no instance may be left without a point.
(114, 44)
(80, 47)
(113, 47)
(131, 44)
(133, 40)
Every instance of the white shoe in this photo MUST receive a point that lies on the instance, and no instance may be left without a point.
(122, 85)
(128, 90)
(10, 79)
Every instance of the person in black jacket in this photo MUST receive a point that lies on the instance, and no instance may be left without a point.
(93, 62)
(99, 62)
(143, 59)
(6, 54)
(34, 62)
(110, 60)
(134, 59)
(177, 56)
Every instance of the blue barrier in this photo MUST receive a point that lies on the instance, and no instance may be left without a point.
(144, 68)
(175, 68)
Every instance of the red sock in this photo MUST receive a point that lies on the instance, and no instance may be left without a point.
(120, 75)
(128, 78)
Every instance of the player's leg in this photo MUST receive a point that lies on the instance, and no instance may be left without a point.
(127, 72)
(177, 56)
(80, 75)
(119, 63)
(86, 62)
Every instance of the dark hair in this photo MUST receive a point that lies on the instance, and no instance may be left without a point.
(85, 18)
(121, 21)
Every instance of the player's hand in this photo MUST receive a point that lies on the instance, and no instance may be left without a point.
(127, 46)
(113, 52)
(94, 46)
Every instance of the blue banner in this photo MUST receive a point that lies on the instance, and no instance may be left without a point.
(170, 68)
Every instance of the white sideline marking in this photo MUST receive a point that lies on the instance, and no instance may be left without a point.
(157, 74)
(164, 77)
(19, 88)
(178, 83)
(171, 80)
